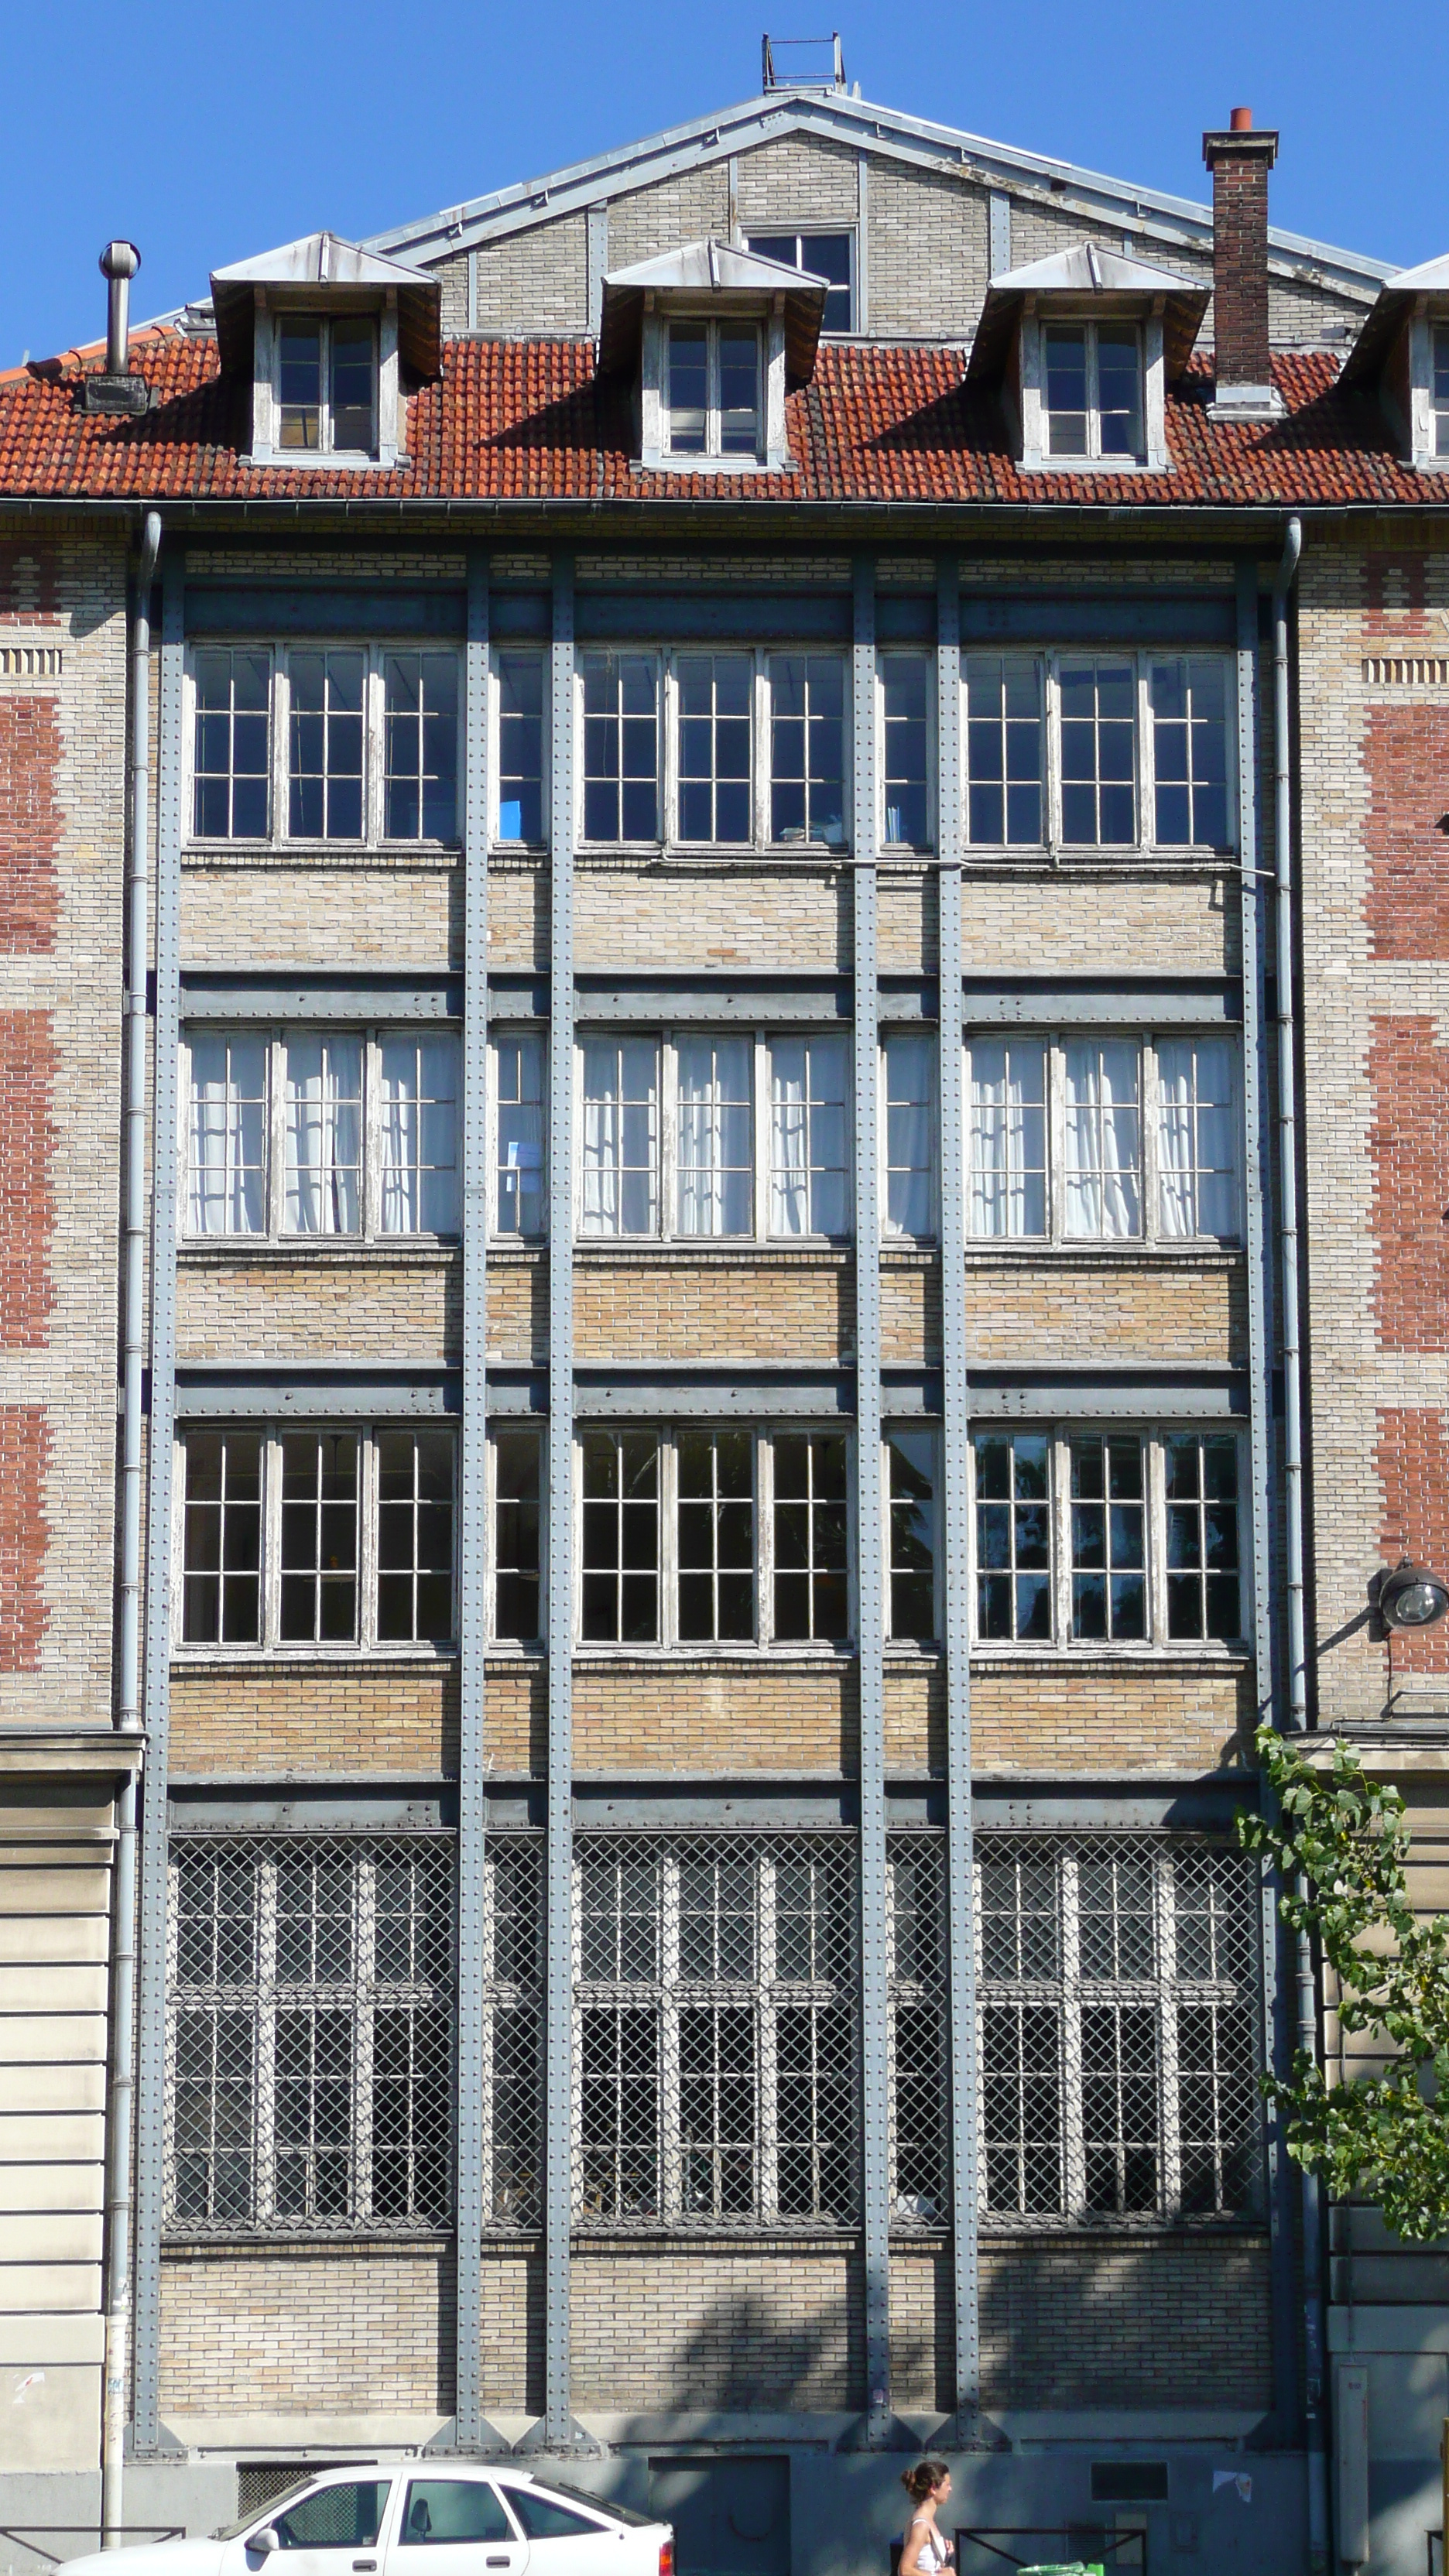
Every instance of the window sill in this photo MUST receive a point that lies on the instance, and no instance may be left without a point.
(1207, 1656)
(602, 1252)
(1117, 858)
(300, 1252)
(392, 855)
(1021, 1252)
(803, 1656)
(310, 1659)
(1008, 2224)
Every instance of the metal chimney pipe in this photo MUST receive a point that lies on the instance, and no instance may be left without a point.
(119, 263)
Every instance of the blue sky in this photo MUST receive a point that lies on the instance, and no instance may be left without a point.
(207, 133)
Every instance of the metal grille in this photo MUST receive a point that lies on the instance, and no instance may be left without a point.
(513, 1971)
(716, 2022)
(1119, 2030)
(310, 2036)
(920, 2101)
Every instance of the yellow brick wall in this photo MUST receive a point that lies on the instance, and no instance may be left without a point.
(731, 2327)
(1078, 1311)
(347, 1305)
(272, 1719)
(307, 2330)
(1168, 1717)
(291, 914)
(754, 1306)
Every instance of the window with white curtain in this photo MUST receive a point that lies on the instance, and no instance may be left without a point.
(910, 1095)
(1112, 1139)
(227, 1135)
(714, 1159)
(809, 1147)
(321, 1133)
(520, 1204)
(620, 1136)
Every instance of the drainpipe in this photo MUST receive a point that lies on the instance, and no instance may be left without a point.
(1307, 2016)
(128, 1714)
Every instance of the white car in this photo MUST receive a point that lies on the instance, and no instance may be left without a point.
(413, 2518)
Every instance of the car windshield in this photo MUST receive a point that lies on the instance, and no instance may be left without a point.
(597, 2504)
(261, 2514)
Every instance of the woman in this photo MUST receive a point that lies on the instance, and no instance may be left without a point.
(926, 2549)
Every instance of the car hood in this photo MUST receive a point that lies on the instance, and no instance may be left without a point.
(153, 2558)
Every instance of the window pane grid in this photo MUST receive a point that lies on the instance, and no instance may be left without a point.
(321, 1517)
(1190, 752)
(716, 2025)
(621, 746)
(325, 770)
(621, 1533)
(910, 1100)
(232, 752)
(520, 747)
(1004, 745)
(1204, 1587)
(421, 743)
(812, 1590)
(715, 691)
(807, 748)
(513, 1988)
(227, 1156)
(920, 2089)
(1013, 1536)
(716, 1534)
(1008, 1137)
(222, 1578)
(309, 2036)
(1119, 2030)
(415, 1536)
(1197, 1139)
(322, 1109)
(620, 1136)
(714, 1149)
(1109, 1538)
(419, 1078)
(519, 1206)
(809, 1149)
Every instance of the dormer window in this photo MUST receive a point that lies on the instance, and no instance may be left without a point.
(1092, 389)
(326, 384)
(713, 389)
(1440, 395)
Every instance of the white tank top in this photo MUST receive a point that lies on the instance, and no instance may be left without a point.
(933, 2554)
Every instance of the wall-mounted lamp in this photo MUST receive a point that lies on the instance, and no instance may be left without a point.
(1407, 1597)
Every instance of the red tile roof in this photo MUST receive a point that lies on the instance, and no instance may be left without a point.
(528, 420)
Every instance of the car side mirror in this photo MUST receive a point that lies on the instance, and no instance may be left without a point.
(264, 2541)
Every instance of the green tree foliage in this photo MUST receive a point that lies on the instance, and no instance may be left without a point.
(1341, 1844)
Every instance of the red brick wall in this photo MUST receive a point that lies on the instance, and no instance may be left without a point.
(1413, 1465)
(28, 1064)
(1409, 1148)
(1406, 755)
(30, 822)
(24, 1460)
(1240, 268)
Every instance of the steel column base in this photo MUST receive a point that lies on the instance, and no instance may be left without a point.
(576, 2444)
(164, 2447)
(969, 2430)
(878, 2431)
(490, 2443)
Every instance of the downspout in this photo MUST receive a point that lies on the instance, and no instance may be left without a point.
(128, 1714)
(1307, 2014)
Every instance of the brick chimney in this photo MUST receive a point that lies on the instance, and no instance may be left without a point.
(1240, 161)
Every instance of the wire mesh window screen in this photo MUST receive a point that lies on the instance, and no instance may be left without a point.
(513, 1989)
(310, 2036)
(920, 2100)
(717, 2032)
(1119, 2029)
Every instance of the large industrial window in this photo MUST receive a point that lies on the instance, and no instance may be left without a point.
(520, 747)
(1439, 391)
(1126, 1536)
(330, 1538)
(321, 1132)
(906, 690)
(1119, 2030)
(342, 743)
(1099, 751)
(311, 1990)
(909, 1125)
(517, 1525)
(1083, 1139)
(807, 748)
(621, 746)
(715, 734)
(520, 1171)
(671, 1142)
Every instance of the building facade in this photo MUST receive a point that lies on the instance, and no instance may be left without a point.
(642, 825)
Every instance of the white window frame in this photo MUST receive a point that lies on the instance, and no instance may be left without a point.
(884, 659)
(740, 326)
(666, 662)
(1157, 1645)
(275, 1037)
(272, 1647)
(891, 1232)
(669, 1644)
(762, 313)
(1425, 430)
(389, 411)
(1048, 666)
(1151, 1237)
(1145, 317)
(535, 1036)
(279, 834)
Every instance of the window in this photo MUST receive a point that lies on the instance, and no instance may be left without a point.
(1119, 2029)
(322, 1133)
(827, 255)
(335, 2517)
(368, 743)
(714, 1156)
(712, 389)
(620, 1136)
(326, 384)
(232, 745)
(1118, 1537)
(310, 2039)
(910, 1094)
(517, 1535)
(519, 1175)
(706, 1534)
(919, 2089)
(715, 774)
(1092, 389)
(1104, 1140)
(520, 748)
(443, 2512)
(809, 1167)
(1440, 393)
(621, 746)
(807, 748)
(911, 1502)
(1091, 752)
(295, 1537)
(513, 1976)
(905, 699)
(717, 2027)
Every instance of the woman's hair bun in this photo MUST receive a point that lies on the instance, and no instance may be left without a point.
(919, 2481)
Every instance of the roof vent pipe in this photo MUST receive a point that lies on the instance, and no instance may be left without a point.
(119, 263)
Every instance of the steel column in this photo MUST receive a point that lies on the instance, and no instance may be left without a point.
(156, 1711)
(876, 2428)
(470, 2430)
(1286, 2306)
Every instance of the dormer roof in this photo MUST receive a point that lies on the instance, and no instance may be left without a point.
(330, 268)
(1087, 271)
(1387, 315)
(694, 274)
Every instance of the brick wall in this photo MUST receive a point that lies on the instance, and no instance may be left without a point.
(307, 2330)
(348, 1304)
(1240, 263)
(800, 181)
(735, 2328)
(31, 821)
(1079, 1311)
(28, 1067)
(291, 1716)
(1159, 2322)
(290, 913)
(1407, 756)
(929, 255)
